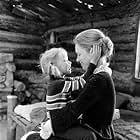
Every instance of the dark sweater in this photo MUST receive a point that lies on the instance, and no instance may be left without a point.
(96, 102)
(62, 91)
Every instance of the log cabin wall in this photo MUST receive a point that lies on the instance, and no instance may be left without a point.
(120, 24)
(21, 37)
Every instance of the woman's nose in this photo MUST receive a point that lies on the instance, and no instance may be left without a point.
(77, 59)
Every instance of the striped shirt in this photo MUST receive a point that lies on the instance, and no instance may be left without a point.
(60, 91)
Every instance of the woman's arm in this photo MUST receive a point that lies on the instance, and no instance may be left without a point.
(89, 95)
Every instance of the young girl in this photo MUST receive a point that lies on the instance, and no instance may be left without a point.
(55, 64)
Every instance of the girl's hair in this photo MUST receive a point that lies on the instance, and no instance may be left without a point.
(47, 60)
(87, 38)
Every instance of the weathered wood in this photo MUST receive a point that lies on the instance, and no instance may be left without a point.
(11, 67)
(100, 24)
(123, 82)
(27, 64)
(9, 82)
(12, 24)
(21, 50)
(127, 47)
(3, 69)
(12, 102)
(4, 7)
(124, 57)
(23, 12)
(20, 38)
(6, 57)
(69, 28)
(125, 38)
(123, 66)
(19, 86)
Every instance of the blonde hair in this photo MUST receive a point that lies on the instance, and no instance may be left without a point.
(87, 38)
(47, 61)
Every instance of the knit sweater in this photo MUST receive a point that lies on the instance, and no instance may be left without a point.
(96, 101)
(62, 91)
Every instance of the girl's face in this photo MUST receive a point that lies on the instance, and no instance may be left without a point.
(83, 56)
(63, 64)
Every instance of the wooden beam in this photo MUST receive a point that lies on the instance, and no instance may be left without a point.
(51, 11)
(123, 82)
(23, 13)
(12, 102)
(22, 50)
(19, 38)
(60, 6)
(27, 64)
(11, 23)
(100, 24)
(41, 12)
(69, 28)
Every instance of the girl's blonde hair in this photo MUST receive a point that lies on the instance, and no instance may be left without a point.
(87, 38)
(47, 60)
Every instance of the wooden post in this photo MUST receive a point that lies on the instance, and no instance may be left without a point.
(11, 103)
(52, 38)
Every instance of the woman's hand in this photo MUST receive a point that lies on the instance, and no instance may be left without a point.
(95, 53)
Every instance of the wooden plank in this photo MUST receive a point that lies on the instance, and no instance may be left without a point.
(11, 102)
(123, 66)
(61, 6)
(123, 81)
(100, 24)
(70, 28)
(9, 23)
(12, 46)
(22, 50)
(127, 47)
(20, 38)
(124, 38)
(124, 57)
(27, 64)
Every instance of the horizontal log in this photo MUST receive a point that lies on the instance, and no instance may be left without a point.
(17, 45)
(122, 66)
(12, 24)
(21, 50)
(128, 28)
(124, 57)
(6, 57)
(124, 38)
(27, 64)
(123, 82)
(100, 24)
(20, 38)
(124, 47)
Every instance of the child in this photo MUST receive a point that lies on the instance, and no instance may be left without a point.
(61, 89)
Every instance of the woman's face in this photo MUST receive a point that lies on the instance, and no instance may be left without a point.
(83, 56)
(63, 64)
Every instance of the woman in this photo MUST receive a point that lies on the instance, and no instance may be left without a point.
(55, 64)
(96, 101)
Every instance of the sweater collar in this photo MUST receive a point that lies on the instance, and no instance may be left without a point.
(103, 68)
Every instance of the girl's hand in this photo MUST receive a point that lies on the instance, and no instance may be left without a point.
(95, 53)
(46, 130)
